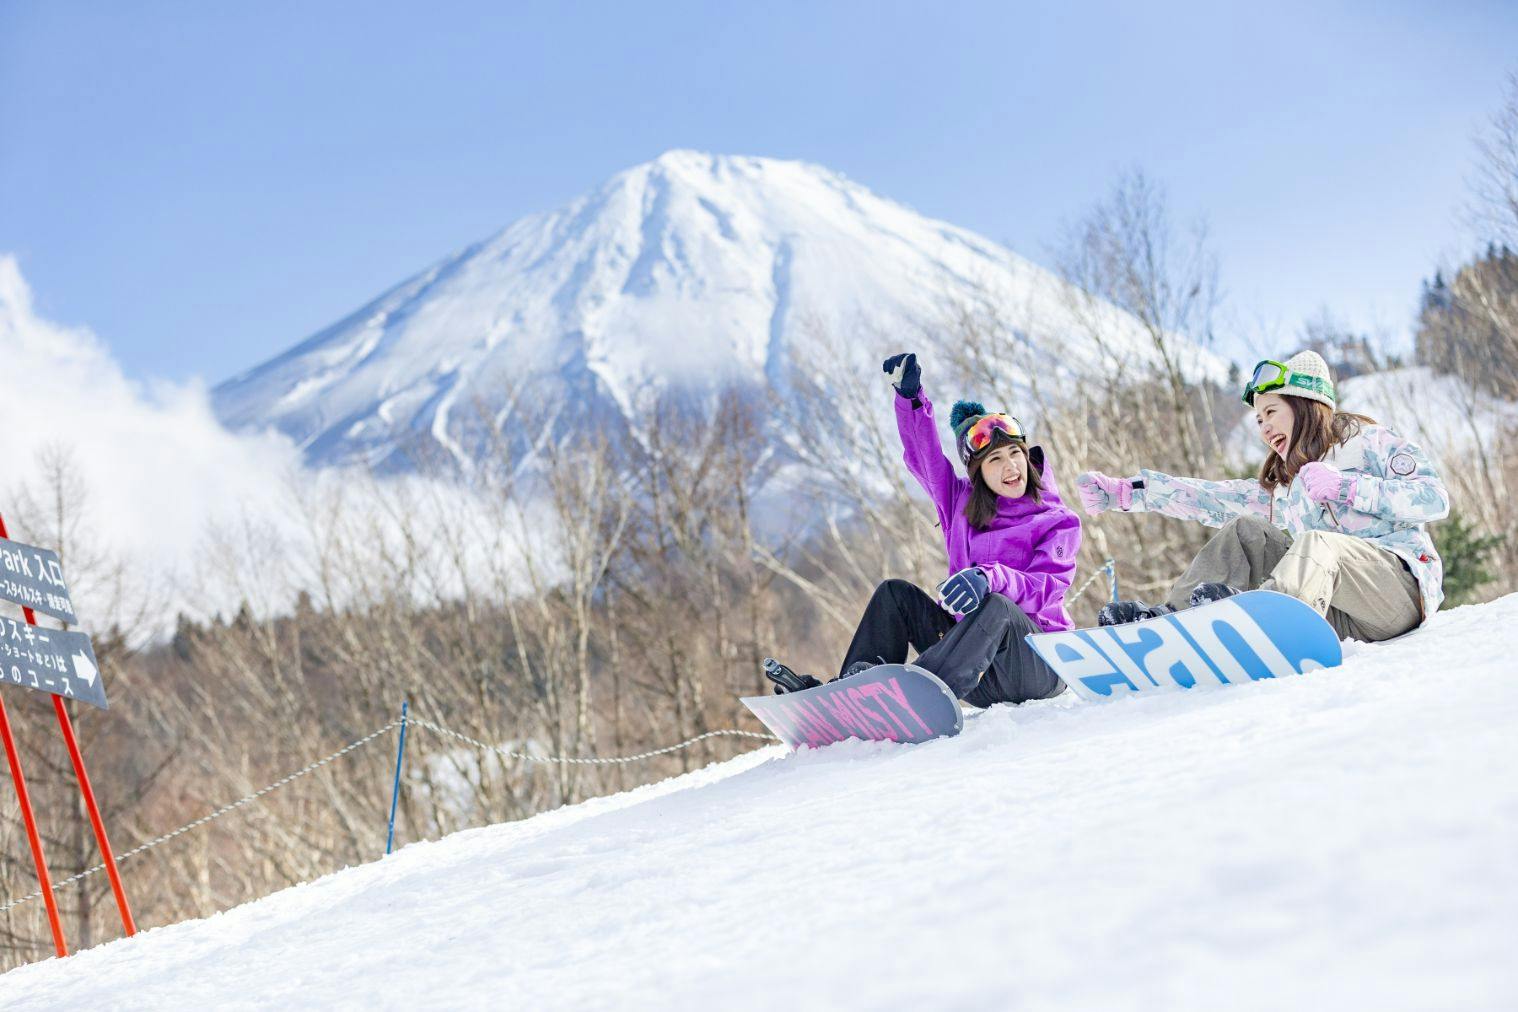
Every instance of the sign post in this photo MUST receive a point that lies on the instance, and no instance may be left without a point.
(62, 664)
(25, 800)
(50, 660)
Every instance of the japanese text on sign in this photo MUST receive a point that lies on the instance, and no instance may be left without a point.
(33, 577)
(49, 660)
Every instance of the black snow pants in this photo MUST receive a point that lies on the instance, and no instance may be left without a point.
(988, 641)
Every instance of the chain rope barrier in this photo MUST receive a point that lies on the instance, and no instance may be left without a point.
(591, 760)
(1109, 567)
(223, 810)
(359, 743)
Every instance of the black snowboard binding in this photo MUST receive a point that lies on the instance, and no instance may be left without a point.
(787, 680)
(1123, 612)
(1206, 593)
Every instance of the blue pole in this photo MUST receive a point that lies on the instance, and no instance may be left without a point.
(1112, 573)
(395, 793)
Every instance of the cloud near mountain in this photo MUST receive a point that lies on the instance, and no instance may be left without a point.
(155, 461)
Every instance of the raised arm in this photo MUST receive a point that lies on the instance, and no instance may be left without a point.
(919, 436)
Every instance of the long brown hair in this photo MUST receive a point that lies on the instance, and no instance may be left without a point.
(1316, 429)
(981, 509)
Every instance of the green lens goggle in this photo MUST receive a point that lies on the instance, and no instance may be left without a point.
(1270, 375)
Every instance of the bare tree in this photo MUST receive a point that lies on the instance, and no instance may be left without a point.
(1127, 254)
(1494, 205)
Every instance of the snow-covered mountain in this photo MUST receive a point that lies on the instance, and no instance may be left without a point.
(692, 270)
(1340, 840)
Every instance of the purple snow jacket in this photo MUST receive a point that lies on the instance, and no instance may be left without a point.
(1029, 552)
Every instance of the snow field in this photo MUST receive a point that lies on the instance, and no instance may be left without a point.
(1344, 839)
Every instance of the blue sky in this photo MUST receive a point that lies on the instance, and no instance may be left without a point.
(206, 184)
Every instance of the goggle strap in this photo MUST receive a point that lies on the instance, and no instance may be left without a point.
(1285, 378)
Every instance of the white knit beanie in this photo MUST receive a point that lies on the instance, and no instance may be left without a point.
(1309, 366)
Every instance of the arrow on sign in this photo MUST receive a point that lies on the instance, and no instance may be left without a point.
(84, 668)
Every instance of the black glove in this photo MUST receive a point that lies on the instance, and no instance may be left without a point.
(962, 593)
(905, 375)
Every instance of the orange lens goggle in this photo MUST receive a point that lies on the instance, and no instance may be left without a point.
(979, 436)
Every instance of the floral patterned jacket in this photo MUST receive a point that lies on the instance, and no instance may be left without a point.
(1396, 492)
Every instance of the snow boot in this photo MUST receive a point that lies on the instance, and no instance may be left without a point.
(1123, 612)
(1206, 593)
(787, 680)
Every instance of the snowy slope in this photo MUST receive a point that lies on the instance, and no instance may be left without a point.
(1345, 839)
(692, 270)
(1440, 411)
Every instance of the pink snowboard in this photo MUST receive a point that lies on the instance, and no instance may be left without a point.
(889, 702)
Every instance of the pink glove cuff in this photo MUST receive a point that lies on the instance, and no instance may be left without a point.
(1100, 492)
(1326, 484)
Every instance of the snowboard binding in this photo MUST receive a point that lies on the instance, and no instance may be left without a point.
(1124, 612)
(1206, 593)
(787, 680)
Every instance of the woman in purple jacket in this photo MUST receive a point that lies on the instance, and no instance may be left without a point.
(1011, 544)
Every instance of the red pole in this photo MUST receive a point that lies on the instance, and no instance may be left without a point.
(31, 832)
(96, 821)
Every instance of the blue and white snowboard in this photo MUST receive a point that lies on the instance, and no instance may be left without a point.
(1259, 634)
(889, 702)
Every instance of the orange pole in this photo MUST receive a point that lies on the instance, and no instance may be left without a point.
(95, 820)
(31, 832)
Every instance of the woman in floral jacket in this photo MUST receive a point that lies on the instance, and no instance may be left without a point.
(1336, 517)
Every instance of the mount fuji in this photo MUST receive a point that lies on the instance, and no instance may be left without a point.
(692, 271)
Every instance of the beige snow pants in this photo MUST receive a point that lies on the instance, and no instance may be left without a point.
(1365, 592)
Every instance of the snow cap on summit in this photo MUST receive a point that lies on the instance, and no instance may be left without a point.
(694, 271)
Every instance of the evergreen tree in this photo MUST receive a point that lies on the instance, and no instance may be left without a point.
(1467, 556)
(1468, 325)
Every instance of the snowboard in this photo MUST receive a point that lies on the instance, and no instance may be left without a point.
(889, 702)
(1250, 636)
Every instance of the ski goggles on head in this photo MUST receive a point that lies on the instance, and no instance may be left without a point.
(1270, 376)
(979, 435)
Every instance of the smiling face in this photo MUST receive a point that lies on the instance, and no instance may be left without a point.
(1274, 417)
(1005, 471)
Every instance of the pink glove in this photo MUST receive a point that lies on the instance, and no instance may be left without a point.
(1326, 484)
(1099, 492)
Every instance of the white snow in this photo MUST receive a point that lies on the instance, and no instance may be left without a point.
(1343, 839)
(693, 270)
(1439, 411)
